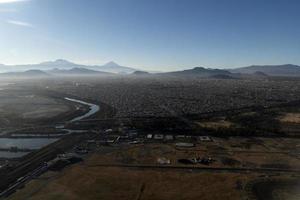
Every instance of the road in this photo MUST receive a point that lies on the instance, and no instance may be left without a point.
(22, 181)
(199, 168)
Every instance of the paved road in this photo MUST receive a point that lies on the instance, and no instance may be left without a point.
(21, 181)
(198, 168)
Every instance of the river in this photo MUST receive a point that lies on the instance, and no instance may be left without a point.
(25, 143)
(37, 143)
(93, 109)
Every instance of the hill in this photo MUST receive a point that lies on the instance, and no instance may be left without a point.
(141, 73)
(76, 72)
(28, 73)
(113, 67)
(202, 72)
(271, 70)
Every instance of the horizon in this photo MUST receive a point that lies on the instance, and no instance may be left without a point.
(151, 35)
(136, 68)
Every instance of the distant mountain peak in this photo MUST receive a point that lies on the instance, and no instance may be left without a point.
(62, 64)
(62, 61)
(111, 64)
(58, 62)
(199, 68)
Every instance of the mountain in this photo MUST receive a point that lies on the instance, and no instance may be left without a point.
(111, 67)
(202, 72)
(61, 66)
(59, 63)
(28, 73)
(259, 73)
(54, 72)
(77, 72)
(141, 73)
(271, 70)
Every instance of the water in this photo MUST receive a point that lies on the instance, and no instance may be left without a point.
(37, 143)
(26, 135)
(93, 109)
(7, 154)
(25, 143)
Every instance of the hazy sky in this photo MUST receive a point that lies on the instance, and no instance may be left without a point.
(151, 34)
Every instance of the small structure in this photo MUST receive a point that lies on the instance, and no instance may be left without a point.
(132, 133)
(163, 161)
(180, 136)
(204, 161)
(60, 126)
(110, 141)
(134, 142)
(66, 155)
(158, 137)
(108, 130)
(63, 160)
(169, 137)
(149, 136)
(204, 138)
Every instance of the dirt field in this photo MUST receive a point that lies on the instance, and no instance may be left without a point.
(277, 189)
(21, 108)
(83, 182)
(97, 178)
(17, 108)
(233, 153)
(30, 106)
(290, 118)
(216, 124)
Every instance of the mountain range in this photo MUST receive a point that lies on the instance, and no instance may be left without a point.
(62, 67)
(61, 64)
(199, 72)
(271, 70)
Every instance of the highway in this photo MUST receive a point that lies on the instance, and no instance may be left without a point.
(22, 181)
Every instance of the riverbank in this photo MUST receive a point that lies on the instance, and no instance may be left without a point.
(37, 141)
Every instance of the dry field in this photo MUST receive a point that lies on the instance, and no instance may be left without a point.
(111, 183)
(290, 118)
(216, 124)
(97, 178)
(235, 152)
(31, 106)
(17, 107)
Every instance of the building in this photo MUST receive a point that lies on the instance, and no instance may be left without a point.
(163, 161)
(158, 137)
(169, 137)
(180, 136)
(149, 136)
(204, 139)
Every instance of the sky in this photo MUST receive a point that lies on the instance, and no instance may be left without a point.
(159, 35)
